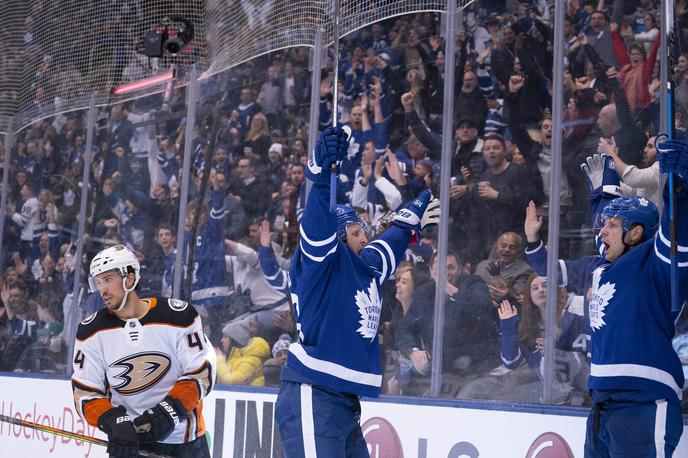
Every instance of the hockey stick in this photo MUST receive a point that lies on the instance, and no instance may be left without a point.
(335, 93)
(71, 435)
(193, 232)
(668, 25)
(675, 306)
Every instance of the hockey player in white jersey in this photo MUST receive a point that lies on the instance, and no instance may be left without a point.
(141, 366)
(336, 279)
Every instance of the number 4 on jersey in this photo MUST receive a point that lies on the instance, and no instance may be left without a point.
(79, 359)
(194, 340)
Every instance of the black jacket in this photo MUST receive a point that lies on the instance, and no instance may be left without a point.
(470, 327)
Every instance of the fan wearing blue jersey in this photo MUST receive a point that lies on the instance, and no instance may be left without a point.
(336, 278)
(636, 378)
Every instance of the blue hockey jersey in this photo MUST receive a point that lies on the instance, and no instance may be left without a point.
(168, 274)
(337, 296)
(276, 277)
(210, 283)
(576, 276)
(631, 319)
(629, 313)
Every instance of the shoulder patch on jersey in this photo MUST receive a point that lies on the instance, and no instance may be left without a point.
(176, 304)
(99, 321)
(171, 312)
(90, 318)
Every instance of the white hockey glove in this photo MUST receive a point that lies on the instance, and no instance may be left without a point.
(419, 213)
(600, 173)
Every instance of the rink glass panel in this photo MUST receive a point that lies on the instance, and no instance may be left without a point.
(472, 363)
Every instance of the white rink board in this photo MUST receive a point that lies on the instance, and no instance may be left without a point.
(247, 429)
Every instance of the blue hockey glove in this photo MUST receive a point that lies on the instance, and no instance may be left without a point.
(122, 438)
(158, 422)
(331, 147)
(672, 156)
(600, 173)
(419, 213)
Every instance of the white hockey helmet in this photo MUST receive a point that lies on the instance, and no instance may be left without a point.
(118, 258)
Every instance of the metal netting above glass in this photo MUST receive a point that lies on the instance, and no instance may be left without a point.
(71, 49)
(54, 55)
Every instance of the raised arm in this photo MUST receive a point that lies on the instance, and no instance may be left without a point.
(385, 253)
(673, 158)
(619, 49)
(431, 140)
(572, 274)
(276, 277)
(509, 349)
(318, 225)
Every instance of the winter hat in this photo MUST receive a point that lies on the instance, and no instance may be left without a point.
(276, 147)
(237, 330)
(487, 87)
(282, 344)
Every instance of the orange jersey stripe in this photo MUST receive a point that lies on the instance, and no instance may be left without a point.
(152, 302)
(186, 392)
(94, 408)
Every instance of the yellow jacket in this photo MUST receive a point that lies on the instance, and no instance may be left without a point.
(244, 365)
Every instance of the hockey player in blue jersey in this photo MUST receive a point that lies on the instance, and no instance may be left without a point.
(336, 279)
(636, 378)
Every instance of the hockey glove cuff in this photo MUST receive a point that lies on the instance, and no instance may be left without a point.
(419, 213)
(672, 156)
(158, 422)
(122, 438)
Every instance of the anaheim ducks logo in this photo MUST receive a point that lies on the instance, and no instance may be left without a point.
(141, 371)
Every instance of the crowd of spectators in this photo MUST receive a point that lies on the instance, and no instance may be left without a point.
(390, 93)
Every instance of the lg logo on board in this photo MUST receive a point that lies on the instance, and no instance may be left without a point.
(383, 440)
(549, 445)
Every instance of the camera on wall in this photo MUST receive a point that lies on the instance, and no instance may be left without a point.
(170, 36)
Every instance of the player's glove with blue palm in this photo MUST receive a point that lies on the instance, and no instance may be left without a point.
(331, 147)
(672, 156)
(122, 439)
(162, 418)
(600, 173)
(419, 213)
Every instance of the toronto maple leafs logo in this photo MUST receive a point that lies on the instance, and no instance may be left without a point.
(601, 295)
(369, 308)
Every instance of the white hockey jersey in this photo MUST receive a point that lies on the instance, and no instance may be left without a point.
(27, 219)
(138, 362)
